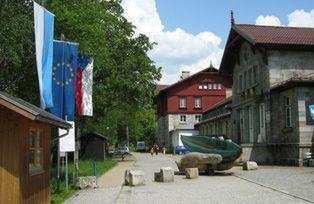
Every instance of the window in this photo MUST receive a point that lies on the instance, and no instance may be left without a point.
(287, 111)
(214, 86)
(198, 118)
(182, 118)
(200, 86)
(35, 150)
(255, 74)
(250, 77)
(198, 103)
(240, 83)
(182, 102)
(210, 86)
(245, 81)
(218, 86)
(204, 86)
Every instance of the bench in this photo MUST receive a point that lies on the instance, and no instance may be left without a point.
(119, 154)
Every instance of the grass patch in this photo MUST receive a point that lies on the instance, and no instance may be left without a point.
(58, 195)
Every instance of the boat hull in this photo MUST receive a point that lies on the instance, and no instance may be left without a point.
(229, 151)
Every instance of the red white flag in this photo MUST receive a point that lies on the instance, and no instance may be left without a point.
(84, 85)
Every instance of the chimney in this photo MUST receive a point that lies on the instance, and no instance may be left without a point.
(184, 74)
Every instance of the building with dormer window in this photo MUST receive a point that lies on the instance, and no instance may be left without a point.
(180, 105)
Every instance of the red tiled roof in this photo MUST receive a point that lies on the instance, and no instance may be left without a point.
(276, 34)
(209, 69)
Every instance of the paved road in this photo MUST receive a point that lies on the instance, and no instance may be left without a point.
(266, 185)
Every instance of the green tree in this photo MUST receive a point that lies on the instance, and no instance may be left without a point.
(124, 76)
(18, 75)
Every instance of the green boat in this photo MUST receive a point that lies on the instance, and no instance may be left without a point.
(229, 150)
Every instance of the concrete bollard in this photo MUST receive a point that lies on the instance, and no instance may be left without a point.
(250, 165)
(191, 173)
(134, 177)
(166, 174)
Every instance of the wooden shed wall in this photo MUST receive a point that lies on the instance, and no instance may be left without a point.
(9, 157)
(16, 183)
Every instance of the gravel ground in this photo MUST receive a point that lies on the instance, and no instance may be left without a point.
(265, 185)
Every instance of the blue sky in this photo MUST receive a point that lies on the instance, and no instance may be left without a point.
(191, 33)
(196, 16)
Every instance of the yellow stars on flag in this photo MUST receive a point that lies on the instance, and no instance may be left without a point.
(68, 74)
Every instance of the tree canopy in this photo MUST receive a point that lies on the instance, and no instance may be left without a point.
(124, 75)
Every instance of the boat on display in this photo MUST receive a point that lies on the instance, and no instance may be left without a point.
(229, 150)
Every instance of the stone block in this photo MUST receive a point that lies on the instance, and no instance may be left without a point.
(198, 160)
(86, 182)
(134, 177)
(191, 173)
(250, 165)
(157, 177)
(166, 174)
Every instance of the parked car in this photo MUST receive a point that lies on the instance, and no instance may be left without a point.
(140, 146)
(122, 150)
(181, 150)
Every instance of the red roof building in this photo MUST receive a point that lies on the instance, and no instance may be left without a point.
(180, 105)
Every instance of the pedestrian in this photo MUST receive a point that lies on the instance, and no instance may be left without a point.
(156, 149)
(152, 151)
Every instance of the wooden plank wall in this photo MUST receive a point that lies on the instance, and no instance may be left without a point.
(16, 185)
(9, 157)
(36, 188)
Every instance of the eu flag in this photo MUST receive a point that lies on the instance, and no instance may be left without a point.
(63, 79)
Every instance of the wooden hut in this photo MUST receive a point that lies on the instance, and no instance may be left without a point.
(25, 132)
(94, 146)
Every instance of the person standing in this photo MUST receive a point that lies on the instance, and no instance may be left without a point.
(156, 149)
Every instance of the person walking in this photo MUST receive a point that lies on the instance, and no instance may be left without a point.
(152, 151)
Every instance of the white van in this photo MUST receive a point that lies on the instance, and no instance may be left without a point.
(140, 146)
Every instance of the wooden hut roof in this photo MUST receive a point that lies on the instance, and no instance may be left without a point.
(95, 134)
(30, 111)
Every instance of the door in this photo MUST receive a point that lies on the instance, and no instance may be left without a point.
(262, 124)
(241, 121)
(251, 125)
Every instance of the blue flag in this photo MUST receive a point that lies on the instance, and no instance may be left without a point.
(44, 24)
(63, 79)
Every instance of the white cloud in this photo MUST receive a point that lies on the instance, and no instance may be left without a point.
(176, 50)
(301, 18)
(268, 20)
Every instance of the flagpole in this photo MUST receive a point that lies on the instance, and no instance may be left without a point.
(62, 94)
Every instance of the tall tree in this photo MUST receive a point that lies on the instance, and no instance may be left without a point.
(18, 75)
(124, 76)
